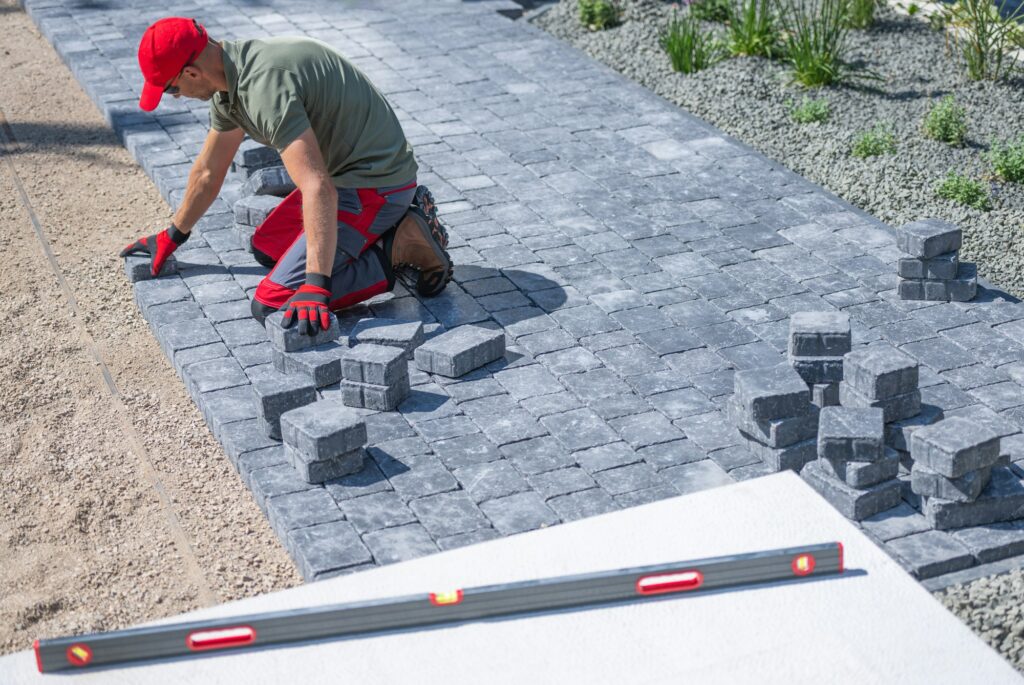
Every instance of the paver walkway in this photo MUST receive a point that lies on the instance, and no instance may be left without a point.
(634, 255)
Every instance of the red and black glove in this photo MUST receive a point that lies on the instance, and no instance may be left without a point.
(308, 305)
(159, 246)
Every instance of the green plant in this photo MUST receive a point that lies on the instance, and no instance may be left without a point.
(980, 36)
(598, 15)
(810, 111)
(878, 141)
(862, 13)
(815, 36)
(946, 121)
(752, 29)
(965, 191)
(913, 9)
(710, 10)
(688, 47)
(937, 21)
(1007, 160)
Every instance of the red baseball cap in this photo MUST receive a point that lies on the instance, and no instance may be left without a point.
(166, 48)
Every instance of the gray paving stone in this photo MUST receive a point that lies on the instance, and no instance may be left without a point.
(947, 396)
(672, 454)
(697, 476)
(321, 365)
(461, 350)
(643, 430)
(928, 238)
(578, 505)
(537, 455)
(447, 427)
(938, 353)
(994, 541)
(943, 266)
(818, 370)
(771, 393)
(414, 477)
(326, 547)
(222, 407)
(376, 511)
(819, 334)
(466, 450)
(276, 394)
(853, 503)
(894, 408)
(301, 509)
(323, 429)
(898, 433)
(792, 457)
(880, 372)
(863, 474)
(160, 291)
(560, 482)
(1002, 500)
(851, 434)
(268, 181)
(365, 482)
(376, 397)
(406, 335)
(402, 543)
(928, 483)
(241, 333)
(519, 513)
(931, 553)
(290, 340)
(140, 268)
(213, 374)
(488, 480)
(637, 498)
(898, 522)
(319, 470)
(579, 429)
(954, 446)
(776, 432)
(825, 395)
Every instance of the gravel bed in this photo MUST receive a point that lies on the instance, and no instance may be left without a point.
(993, 609)
(747, 98)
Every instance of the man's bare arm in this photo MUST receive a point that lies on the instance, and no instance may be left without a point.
(207, 176)
(306, 166)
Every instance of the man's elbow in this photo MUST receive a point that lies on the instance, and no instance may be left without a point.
(318, 187)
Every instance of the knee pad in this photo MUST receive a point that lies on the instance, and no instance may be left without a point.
(260, 311)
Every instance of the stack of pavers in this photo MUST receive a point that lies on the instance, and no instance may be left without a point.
(960, 476)
(261, 194)
(931, 268)
(460, 350)
(881, 376)
(854, 471)
(251, 157)
(315, 359)
(374, 377)
(817, 343)
(324, 440)
(772, 409)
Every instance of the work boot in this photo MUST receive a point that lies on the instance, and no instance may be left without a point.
(417, 255)
(425, 201)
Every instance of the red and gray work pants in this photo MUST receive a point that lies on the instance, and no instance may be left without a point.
(359, 272)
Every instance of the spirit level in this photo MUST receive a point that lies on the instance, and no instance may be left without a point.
(259, 630)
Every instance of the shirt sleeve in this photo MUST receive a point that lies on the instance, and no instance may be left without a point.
(277, 108)
(219, 122)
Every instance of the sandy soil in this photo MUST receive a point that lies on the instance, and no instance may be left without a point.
(86, 541)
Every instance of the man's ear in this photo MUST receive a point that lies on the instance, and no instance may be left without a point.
(192, 72)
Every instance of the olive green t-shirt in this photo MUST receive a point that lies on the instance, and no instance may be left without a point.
(279, 87)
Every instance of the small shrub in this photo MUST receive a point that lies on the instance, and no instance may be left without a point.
(878, 141)
(752, 29)
(815, 41)
(913, 9)
(947, 122)
(981, 36)
(810, 111)
(862, 13)
(598, 15)
(710, 10)
(964, 191)
(1007, 160)
(689, 48)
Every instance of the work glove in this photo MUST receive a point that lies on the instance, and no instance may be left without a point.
(308, 306)
(160, 246)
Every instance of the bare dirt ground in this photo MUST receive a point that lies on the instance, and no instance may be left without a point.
(87, 542)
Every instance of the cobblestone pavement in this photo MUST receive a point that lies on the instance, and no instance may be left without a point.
(635, 257)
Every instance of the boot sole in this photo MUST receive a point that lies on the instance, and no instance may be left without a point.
(424, 199)
(434, 232)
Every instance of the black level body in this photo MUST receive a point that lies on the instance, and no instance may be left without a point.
(259, 630)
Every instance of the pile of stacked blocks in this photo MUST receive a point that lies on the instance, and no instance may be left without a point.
(854, 471)
(931, 268)
(817, 343)
(960, 476)
(322, 385)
